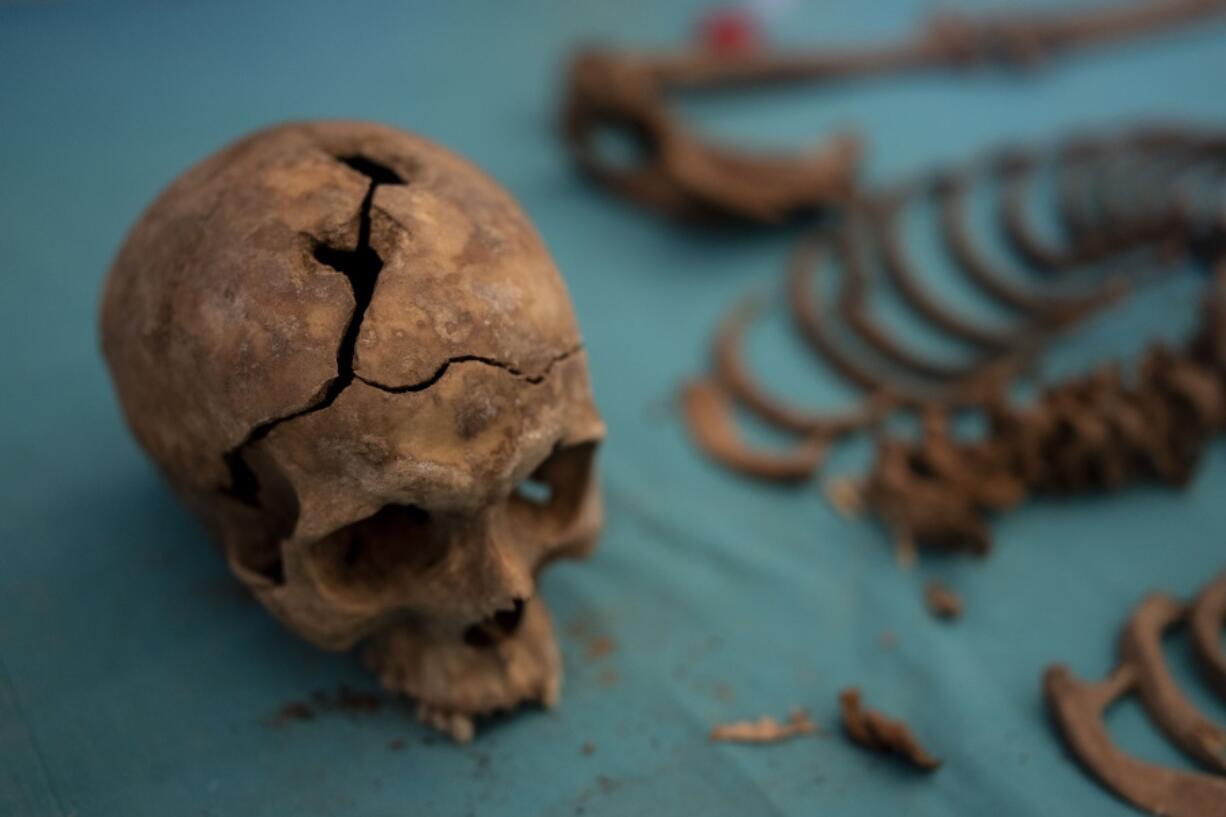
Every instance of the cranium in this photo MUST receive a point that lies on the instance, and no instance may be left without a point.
(351, 354)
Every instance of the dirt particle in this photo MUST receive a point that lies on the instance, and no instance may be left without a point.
(396, 744)
(346, 699)
(483, 763)
(343, 699)
(604, 785)
(942, 601)
(588, 749)
(600, 647)
(293, 711)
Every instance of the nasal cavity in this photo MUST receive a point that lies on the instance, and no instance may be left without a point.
(497, 628)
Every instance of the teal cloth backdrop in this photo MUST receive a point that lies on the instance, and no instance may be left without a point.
(136, 679)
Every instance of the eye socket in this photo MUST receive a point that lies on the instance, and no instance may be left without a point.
(553, 495)
(376, 553)
(259, 553)
(536, 490)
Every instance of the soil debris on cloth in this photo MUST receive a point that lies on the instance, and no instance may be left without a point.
(293, 711)
(942, 601)
(875, 731)
(343, 699)
(599, 647)
(765, 729)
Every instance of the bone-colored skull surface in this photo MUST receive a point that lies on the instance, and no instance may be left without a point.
(351, 354)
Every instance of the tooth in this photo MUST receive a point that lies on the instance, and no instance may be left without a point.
(461, 728)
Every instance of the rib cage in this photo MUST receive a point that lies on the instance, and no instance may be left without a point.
(1130, 208)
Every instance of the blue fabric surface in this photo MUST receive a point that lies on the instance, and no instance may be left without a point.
(135, 677)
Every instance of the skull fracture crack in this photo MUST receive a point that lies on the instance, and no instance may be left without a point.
(351, 354)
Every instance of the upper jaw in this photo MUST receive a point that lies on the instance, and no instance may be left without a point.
(454, 682)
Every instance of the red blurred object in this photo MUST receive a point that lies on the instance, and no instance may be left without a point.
(729, 31)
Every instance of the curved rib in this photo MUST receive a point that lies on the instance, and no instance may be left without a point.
(1043, 308)
(1048, 257)
(1135, 200)
(1141, 647)
(904, 278)
(1207, 619)
(1078, 708)
(968, 391)
(805, 303)
(1075, 192)
(709, 417)
(1109, 219)
(1171, 152)
(852, 307)
(982, 272)
(1025, 238)
(1201, 174)
(1115, 191)
(731, 371)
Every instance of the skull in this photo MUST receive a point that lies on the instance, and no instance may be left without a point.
(350, 353)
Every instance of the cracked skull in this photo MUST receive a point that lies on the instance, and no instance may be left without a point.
(350, 353)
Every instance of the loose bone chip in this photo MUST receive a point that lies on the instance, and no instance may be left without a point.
(878, 733)
(765, 729)
(351, 354)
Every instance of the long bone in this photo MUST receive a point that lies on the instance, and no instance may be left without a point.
(680, 174)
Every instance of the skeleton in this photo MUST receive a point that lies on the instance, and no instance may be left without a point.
(1130, 208)
(351, 354)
